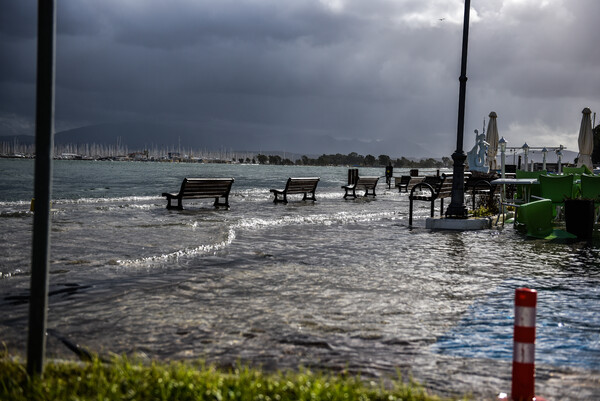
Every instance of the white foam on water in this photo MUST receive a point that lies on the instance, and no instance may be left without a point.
(203, 249)
(319, 219)
(143, 206)
(253, 224)
(12, 204)
(106, 200)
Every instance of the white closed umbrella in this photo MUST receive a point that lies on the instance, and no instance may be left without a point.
(492, 140)
(585, 140)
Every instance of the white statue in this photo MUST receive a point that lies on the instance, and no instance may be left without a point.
(476, 157)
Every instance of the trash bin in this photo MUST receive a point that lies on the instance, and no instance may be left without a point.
(352, 176)
(579, 217)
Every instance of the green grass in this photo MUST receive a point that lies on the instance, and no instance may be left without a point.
(127, 379)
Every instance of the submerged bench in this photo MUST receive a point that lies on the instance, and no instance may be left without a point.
(407, 182)
(366, 183)
(197, 188)
(402, 182)
(297, 185)
(431, 189)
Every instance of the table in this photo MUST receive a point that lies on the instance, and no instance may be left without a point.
(526, 183)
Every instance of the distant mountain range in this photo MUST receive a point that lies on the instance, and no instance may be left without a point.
(139, 136)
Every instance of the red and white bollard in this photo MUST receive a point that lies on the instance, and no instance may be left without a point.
(523, 371)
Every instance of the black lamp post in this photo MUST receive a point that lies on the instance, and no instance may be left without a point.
(457, 208)
(44, 143)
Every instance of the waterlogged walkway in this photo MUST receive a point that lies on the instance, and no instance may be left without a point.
(335, 285)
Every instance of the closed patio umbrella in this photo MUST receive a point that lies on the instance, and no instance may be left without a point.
(585, 140)
(492, 139)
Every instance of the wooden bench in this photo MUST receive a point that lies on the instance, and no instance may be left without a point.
(366, 183)
(430, 189)
(297, 185)
(197, 188)
(409, 182)
(402, 182)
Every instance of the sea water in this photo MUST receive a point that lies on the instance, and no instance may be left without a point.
(342, 285)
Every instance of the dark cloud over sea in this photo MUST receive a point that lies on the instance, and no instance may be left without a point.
(380, 72)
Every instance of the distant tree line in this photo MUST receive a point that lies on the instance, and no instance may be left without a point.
(354, 159)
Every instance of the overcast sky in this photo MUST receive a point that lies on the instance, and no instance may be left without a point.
(370, 69)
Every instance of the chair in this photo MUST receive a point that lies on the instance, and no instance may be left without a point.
(590, 189)
(535, 218)
(576, 170)
(556, 188)
(535, 188)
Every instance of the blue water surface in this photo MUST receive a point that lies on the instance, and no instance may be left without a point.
(567, 322)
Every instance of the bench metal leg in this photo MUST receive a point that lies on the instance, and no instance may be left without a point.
(367, 192)
(179, 204)
(170, 204)
(226, 203)
(277, 200)
(410, 213)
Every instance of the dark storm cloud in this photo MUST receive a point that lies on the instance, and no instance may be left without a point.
(18, 19)
(164, 25)
(350, 69)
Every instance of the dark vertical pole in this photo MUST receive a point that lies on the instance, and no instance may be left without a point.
(457, 208)
(44, 142)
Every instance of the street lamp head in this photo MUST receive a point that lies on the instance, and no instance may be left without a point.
(502, 143)
(525, 148)
(544, 150)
